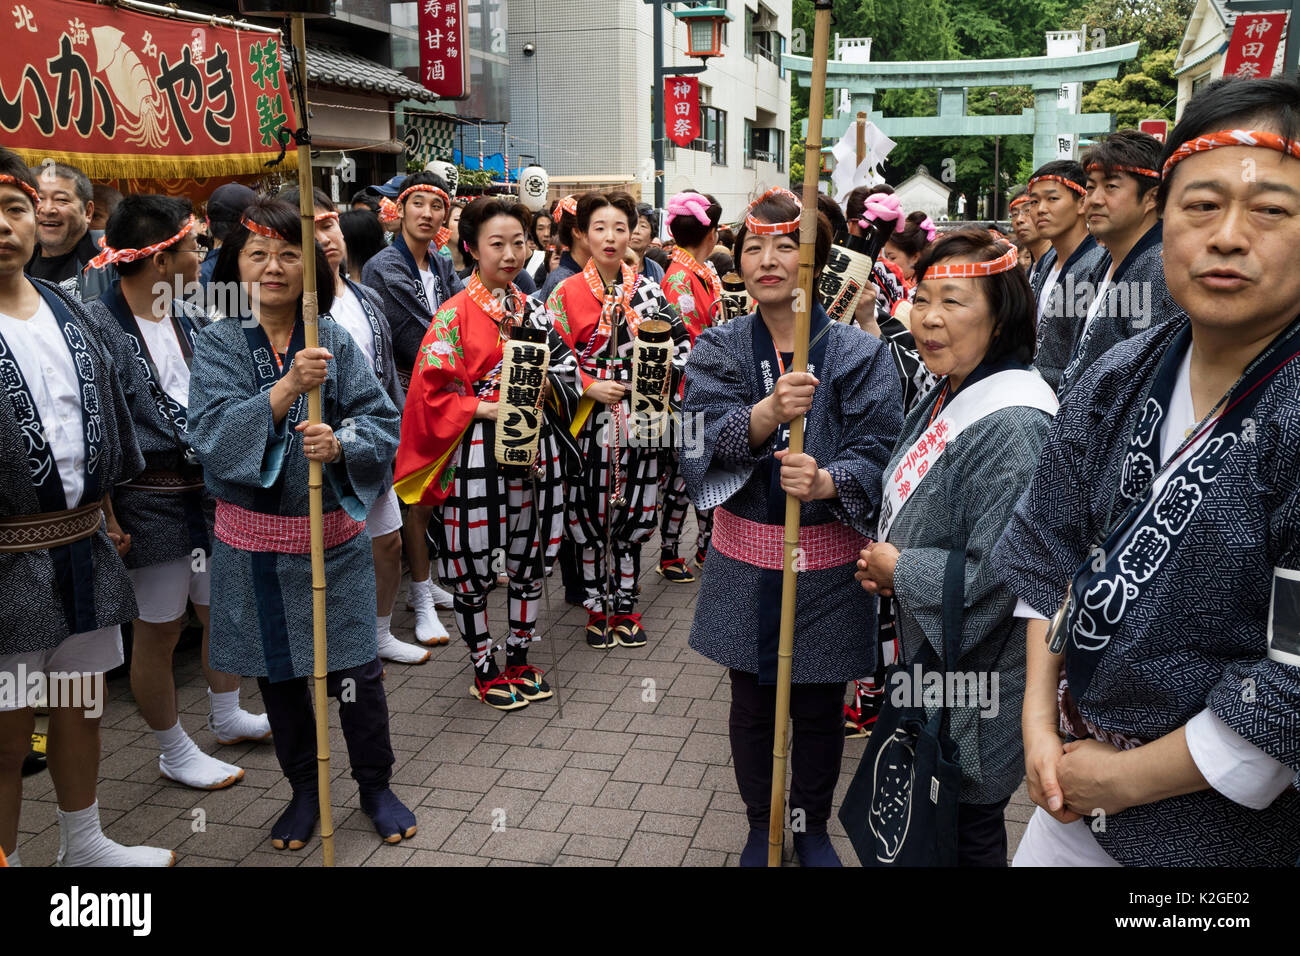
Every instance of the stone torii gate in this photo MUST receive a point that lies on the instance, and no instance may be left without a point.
(1044, 74)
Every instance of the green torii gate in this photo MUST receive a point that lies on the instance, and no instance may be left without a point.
(1044, 74)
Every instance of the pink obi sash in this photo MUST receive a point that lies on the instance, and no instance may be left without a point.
(254, 531)
(822, 546)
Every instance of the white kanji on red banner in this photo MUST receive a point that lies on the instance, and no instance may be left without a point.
(444, 66)
(682, 108)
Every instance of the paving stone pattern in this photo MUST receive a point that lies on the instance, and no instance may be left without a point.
(635, 770)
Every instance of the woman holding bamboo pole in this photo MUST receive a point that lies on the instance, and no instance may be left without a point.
(248, 420)
(745, 401)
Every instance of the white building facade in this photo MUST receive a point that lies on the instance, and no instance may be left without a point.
(581, 103)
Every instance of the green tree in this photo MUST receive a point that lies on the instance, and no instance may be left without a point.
(1157, 24)
(1138, 95)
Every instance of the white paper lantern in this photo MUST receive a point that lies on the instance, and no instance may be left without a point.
(533, 187)
(448, 171)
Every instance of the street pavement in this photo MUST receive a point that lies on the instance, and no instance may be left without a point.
(635, 769)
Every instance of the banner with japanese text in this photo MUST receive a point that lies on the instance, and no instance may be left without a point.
(682, 108)
(444, 62)
(1253, 47)
(124, 94)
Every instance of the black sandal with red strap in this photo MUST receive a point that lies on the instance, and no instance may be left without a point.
(627, 630)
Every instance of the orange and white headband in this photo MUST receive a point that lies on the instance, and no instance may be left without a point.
(425, 188)
(1068, 183)
(974, 270)
(1135, 170)
(112, 256)
(1019, 200)
(264, 231)
(568, 206)
(760, 228)
(25, 187)
(1233, 137)
(325, 216)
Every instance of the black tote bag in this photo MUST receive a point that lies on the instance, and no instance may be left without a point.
(901, 808)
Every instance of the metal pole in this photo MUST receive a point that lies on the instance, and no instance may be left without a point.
(802, 312)
(997, 185)
(311, 339)
(657, 94)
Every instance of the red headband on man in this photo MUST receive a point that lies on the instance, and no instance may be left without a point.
(974, 270)
(1070, 183)
(325, 216)
(15, 181)
(1018, 200)
(256, 227)
(425, 188)
(1135, 170)
(760, 228)
(1233, 137)
(112, 256)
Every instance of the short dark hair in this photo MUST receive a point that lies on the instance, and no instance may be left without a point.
(835, 216)
(364, 237)
(781, 208)
(318, 197)
(532, 228)
(722, 263)
(367, 199)
(647, 212)
(141, 220)
(1009, 295)
(659, 257)
(1232, 103)
(106, 199)
(81, 182)
(279, 216)
(1127, 147)
(1066, 169)
(689, 231)
(12, 165)
(480, 211)
(588, 203)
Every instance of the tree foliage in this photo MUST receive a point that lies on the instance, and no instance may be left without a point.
(988, 29)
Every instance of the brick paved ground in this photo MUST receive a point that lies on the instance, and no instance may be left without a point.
(636, 772)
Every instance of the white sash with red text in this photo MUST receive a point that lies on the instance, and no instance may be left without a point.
(1009, 389)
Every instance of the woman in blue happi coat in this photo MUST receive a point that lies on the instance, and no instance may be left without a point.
(248, 419)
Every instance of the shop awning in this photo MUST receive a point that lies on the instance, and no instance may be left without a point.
(340, 69)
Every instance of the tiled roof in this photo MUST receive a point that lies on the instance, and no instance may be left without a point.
(339, 68)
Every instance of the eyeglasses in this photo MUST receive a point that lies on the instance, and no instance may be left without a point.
(286, 257)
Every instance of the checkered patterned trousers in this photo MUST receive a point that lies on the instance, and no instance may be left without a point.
(672, 491)
(491, 525)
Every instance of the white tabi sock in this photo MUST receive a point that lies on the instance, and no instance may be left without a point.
(428, 628)
(12, 859)
(392, 649)
(82, 843)
(184, 762)
(232, 724)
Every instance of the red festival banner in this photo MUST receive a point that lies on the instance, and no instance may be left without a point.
(682, 108)
(124, 94)
(444, 63)
(1253, 46)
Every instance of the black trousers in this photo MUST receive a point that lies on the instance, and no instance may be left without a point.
(570, 573)
(363, 713)
(982, 834)
(815, 748)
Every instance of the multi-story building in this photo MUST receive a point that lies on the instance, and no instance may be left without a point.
(582, 108)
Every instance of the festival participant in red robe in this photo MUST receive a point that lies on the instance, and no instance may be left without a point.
(598, 312)
(694, 289)
(492, 518)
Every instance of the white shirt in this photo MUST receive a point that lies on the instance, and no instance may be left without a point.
(47, 366)
(165, 350)
(348, 312)
(430, 283)
(1231, 765)
(1094, 307)
(1048, 286)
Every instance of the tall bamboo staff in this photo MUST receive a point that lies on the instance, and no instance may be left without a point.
(802, 310)
(311, 338)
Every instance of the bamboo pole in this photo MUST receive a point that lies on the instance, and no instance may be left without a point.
(311, 338)
(802, 310)
(862, 137)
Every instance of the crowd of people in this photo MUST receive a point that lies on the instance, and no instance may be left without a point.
(1065, 460)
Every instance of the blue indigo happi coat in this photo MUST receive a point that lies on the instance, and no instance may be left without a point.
(262, 601)
(965, 501)
(1196, 637)
(38, 587)
(855, 418)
